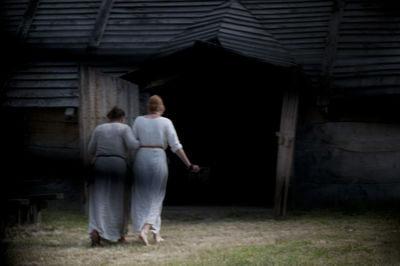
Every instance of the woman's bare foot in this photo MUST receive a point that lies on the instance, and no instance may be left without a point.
(143, 234)
(123, 240)
(158, 238)
(143, 238)
(96, 239)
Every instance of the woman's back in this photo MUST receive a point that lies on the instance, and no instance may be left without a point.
(112, 139)
(156, 132)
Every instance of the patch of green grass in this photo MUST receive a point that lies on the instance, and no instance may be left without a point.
(297, 252)
(217, 236)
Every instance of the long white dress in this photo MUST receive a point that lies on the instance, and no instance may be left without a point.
(151, 170)
(109, 150)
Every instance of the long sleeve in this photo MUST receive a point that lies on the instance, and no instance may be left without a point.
(130, 141)
(172, 138)
(92, 145)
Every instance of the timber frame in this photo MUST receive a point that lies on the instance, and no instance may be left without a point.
(286, 141)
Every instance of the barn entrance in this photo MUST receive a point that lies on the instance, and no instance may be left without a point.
(226, 109)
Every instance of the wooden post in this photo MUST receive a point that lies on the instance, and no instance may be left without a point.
(286, 140)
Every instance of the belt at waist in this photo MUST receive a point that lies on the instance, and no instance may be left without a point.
(111, 155)
(151, 147)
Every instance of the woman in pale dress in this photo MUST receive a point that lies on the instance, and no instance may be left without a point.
(155, 133)
(109, 148)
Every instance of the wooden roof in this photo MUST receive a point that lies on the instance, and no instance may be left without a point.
(233, 27)
(351, 45)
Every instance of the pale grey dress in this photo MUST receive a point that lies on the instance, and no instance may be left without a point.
(109, 149)
(151, 170)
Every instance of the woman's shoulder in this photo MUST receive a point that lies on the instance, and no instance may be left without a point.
(101, 127)
(123, 126)
(113, 126)
(138, 118)
(165, 119)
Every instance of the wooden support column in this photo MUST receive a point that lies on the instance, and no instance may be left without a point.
(286, 141)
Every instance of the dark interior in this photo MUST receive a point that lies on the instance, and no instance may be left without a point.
(226, 110)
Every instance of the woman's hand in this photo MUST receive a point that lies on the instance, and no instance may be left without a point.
(194, 168)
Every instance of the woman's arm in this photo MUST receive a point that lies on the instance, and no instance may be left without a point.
(130, 139)
(182, 155)
(176, 147)
(92, 144)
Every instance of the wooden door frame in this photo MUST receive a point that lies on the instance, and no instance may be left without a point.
(286, 142)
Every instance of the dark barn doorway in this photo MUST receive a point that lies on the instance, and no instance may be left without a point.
(226, 109)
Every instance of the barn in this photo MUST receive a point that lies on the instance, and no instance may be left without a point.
(287, 102)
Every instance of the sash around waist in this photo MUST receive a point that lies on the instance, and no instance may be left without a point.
(151, 147)
(110, 155)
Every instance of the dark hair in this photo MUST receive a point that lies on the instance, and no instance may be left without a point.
(116, 113)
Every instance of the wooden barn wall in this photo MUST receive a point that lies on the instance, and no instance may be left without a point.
(339, 161)
(49, 134)
(11, 14)
(352, 158)
(368, 50)
(44, 84)
(352, 152)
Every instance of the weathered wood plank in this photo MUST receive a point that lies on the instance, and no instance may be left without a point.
(65, 11)
(43, 93)
(43, 84)
(59, 34)
(56, 102)
(361, 137)
(50, 18)
(286, 141)
(367, 82)
(64, 22)
(98, 94)
(62, 43)
(28, 75)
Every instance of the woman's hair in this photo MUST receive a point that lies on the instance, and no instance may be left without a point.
(116, 113)
(155, 104)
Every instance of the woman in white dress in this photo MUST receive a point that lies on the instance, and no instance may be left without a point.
(155, 133)
(108, 150)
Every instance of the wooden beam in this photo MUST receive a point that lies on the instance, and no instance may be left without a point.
(286, 141)
(27, 19)
(332, 40)
(101, 23)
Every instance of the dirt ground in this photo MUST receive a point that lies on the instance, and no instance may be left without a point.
(216, 236)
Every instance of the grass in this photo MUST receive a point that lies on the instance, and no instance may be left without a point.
(217, 236)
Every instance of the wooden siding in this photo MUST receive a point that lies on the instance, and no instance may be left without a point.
(368, 56)
(11, 14)
(44, 84)
(49, 134)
